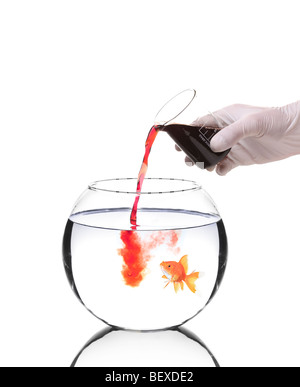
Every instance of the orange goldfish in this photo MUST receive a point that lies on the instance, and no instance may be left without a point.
(176, 272)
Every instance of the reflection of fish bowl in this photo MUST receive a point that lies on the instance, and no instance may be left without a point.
(155, 275)
(169, 348)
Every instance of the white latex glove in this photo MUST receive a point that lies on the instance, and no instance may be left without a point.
(256, 135)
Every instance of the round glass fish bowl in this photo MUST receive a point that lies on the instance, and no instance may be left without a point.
(155, 274)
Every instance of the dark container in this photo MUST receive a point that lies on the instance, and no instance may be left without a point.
(195, 143)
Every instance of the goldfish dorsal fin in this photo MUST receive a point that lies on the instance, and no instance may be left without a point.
(184, 262)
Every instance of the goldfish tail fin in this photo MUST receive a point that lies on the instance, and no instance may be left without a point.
(176, 286)
(184, 263)
(190, 281)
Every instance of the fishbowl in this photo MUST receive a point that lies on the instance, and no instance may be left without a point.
(153, 274)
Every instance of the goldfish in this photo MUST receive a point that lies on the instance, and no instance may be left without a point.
(176, 272)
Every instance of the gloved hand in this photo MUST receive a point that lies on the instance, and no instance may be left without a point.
(256, 135)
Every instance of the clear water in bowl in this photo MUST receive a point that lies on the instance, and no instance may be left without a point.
(139, 295)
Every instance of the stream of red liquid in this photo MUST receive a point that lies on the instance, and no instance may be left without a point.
(136, 252)
(149, 142)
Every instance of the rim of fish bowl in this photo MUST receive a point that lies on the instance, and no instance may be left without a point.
(194, 186)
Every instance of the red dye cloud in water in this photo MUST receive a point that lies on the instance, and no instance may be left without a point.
(168, 238)
(136, 253)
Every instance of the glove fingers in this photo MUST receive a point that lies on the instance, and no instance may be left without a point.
(210, 169)
(227, 115)
(189, 162)
(232, 134)
(207, 120)
(225, 166)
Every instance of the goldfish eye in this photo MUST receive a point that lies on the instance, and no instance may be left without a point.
(169, 266)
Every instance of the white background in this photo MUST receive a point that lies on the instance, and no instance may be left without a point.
(80, 82)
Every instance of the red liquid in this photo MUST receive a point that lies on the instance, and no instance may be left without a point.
(149, 142)
(195, 142)
(137, 252)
